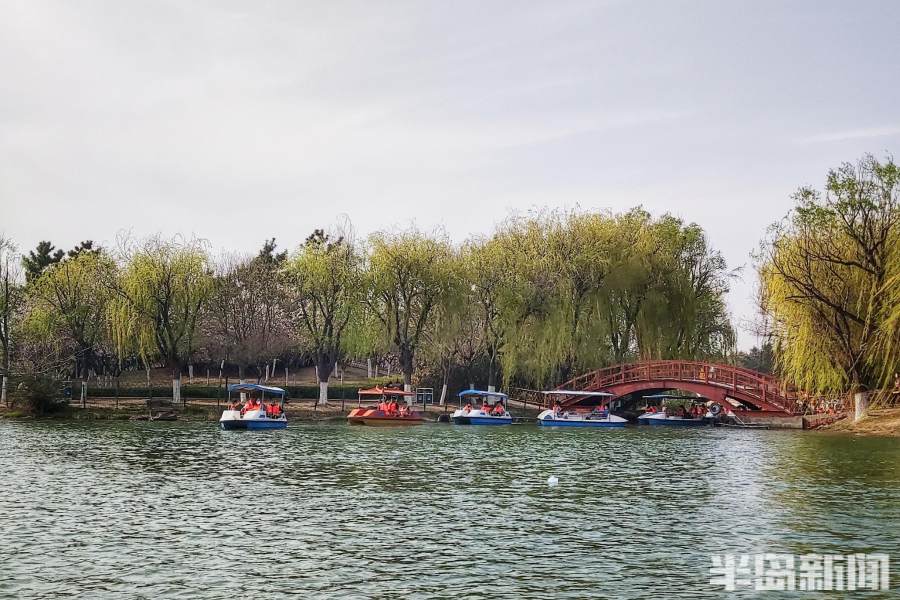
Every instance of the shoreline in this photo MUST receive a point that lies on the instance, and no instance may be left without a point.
(882, 422)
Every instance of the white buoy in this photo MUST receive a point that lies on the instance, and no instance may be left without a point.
(552, 481)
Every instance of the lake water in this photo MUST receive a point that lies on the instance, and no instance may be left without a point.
(152, 510)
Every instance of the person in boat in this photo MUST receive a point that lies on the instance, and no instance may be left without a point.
(556, 408)
(499, 410)
(404, 410)
(393, 408)
(485, 408)
(468, 408)
(598, 413)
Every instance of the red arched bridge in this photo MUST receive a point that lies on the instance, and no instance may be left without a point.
(730, 386)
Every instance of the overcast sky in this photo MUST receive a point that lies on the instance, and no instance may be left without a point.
(238, 121)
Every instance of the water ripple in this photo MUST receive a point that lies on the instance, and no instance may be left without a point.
(186, 511)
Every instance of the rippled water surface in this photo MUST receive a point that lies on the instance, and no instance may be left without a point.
(184, 510)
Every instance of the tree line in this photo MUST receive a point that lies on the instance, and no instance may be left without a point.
(830, 282)
(541, 299)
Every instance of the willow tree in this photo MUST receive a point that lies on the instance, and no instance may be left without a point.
(683, 312)
(486, 269)
(558, 265)
(829, 276)
(324, 280)
(157, 300)
(71, 303)
(409, 275)
(633, 276)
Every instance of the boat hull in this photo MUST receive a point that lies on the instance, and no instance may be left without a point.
(547, 419)
(233, 420)
(254, 424)
(377, 418)
(477, 417)
(571, 423)
(661, 421)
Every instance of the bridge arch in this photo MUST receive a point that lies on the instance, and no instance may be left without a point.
(714, 381)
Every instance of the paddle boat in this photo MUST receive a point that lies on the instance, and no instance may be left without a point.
(254, 413)
(492, 411)
(598, 417)
(676, 417)
(388, 412)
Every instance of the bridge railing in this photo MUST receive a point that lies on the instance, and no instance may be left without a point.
(744, 382)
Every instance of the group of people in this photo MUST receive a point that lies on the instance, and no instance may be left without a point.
(273, 410)
(393, 408)
(696, 411)
(498, 410)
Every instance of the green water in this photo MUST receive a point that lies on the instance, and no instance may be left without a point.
(172, 510)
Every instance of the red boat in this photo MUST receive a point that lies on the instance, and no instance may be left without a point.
(381, 415)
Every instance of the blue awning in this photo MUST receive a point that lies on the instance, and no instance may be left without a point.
(482, 393)
(255, 387)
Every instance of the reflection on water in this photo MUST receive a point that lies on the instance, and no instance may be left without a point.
(185, 510)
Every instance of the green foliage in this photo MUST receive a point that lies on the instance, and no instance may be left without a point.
(158, 298)
(38, 395)
(39, 259)
(409, 276)
(324, 281)
(575, 291)
(829, 281)
(542, 299)
(69, 302)
(759, 358)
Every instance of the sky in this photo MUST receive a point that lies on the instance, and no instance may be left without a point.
(240, 121)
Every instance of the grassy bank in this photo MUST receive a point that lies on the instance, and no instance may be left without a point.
(885, 421)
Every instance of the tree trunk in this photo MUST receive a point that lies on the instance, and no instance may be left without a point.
(860, 405)
(241, 380)
(176, 385)
(406, 366)
(323, 372)
(492, 370)
(369, 368)
(3, 394)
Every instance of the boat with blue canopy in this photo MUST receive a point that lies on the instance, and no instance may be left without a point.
(252, 411)
(492, 411)
(677, 416)
(598, 416)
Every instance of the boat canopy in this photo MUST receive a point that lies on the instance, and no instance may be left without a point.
(575, 393)
(379, 391)
(255, 387)
(483, 394)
